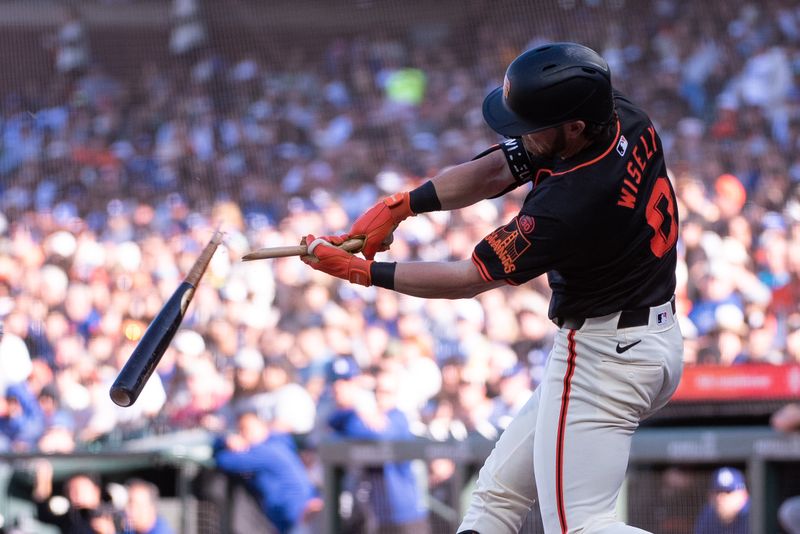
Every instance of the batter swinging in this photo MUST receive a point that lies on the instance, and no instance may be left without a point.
(601, 221)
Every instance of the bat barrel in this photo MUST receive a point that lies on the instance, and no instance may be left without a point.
(122, 395)
(148, 352)
(145, 357)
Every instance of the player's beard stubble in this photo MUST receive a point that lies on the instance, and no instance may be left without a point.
(547, 144)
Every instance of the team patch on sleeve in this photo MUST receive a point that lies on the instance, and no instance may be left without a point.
(505, 246)
(526, 223)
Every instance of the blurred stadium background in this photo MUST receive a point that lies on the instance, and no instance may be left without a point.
(130, 129)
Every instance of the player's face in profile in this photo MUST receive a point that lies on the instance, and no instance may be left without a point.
(547, 143)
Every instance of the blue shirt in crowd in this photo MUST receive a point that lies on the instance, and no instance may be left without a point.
(26, 427)
(395, 497)
(274, 472)
(160, 527)
(709, 522)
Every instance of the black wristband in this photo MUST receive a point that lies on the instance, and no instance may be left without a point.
(382, 274)
(424, 199)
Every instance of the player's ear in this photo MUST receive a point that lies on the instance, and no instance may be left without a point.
(574, 129)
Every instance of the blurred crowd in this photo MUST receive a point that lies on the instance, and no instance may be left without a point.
(111, 187)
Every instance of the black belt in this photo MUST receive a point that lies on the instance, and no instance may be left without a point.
(627, 318)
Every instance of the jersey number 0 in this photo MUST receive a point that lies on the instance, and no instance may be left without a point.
(661, 217)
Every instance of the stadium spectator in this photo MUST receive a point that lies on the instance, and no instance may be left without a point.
(787, 419)
(394, 500)
(514, 392)
(71, 44)
(473, 407)
(81, 511)
(272, 468)
(442, 487)
(789, 515)
(205, 391)
(728, 509)
(248, 383)
(50, 406)
(345, 385)
(21, 418)
(285, 403)
(141, 509)
(58, 435)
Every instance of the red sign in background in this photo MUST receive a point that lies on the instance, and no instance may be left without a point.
(739, 382)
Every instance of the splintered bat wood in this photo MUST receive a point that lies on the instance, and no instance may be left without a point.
(351, 245)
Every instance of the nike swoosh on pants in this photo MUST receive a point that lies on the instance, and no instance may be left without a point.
(621, 349)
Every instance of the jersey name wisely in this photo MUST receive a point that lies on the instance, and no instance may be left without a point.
(642, 153)
(603, 226)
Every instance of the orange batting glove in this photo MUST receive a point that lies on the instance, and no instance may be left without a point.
(328, 258)
(376, 225)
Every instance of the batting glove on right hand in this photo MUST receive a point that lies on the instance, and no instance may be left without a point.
(376, 225)
(328, 258)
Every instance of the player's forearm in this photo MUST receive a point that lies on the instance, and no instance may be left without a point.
(471, 182)
(447, 280)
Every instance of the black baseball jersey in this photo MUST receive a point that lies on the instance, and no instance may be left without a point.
(602, 225)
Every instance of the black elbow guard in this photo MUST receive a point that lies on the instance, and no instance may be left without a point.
(518, 160)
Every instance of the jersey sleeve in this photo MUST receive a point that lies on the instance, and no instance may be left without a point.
(528, 246)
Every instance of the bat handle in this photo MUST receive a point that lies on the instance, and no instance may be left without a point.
(350, 245)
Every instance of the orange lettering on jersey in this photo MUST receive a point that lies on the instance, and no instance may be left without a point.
(648, 151)
(509, 244)
(626, 199)
(634, 173)
(641, 154)
(636, 157)
(652, 131)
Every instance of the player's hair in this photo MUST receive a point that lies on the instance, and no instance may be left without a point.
(596, 131)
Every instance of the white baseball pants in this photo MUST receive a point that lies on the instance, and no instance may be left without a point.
(575, 432)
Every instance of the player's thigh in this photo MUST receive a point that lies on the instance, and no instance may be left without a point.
(506, 490)
(587, 415)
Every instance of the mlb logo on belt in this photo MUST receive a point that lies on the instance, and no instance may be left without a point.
(661, 318)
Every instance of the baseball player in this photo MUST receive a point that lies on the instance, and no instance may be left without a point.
(600, 220)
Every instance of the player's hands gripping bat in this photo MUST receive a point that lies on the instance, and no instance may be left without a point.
(376, 225)
(159, 334)
(325, 256)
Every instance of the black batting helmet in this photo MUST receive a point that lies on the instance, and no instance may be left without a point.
(550, 85)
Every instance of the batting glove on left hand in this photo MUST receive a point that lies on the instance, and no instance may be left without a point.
(328, 258)
(376, 225)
